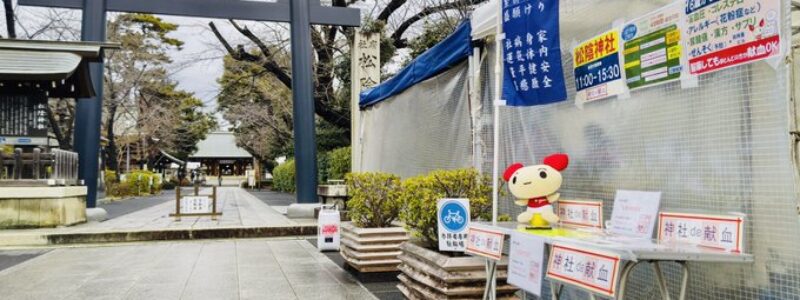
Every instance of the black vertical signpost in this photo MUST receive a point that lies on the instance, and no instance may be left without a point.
(300, 13)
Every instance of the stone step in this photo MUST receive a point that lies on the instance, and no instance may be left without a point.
(371, 255)
(41, 239)
(414, 289)
(371, 248)
(376, 239)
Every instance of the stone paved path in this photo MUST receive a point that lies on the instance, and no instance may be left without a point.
(239, 208)
(217, 269)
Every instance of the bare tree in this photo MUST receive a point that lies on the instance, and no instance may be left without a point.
(326, 43)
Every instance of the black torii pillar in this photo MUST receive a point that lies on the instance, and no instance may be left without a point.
(300, 13)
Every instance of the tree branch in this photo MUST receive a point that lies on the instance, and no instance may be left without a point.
(390, 9)
(397, 36)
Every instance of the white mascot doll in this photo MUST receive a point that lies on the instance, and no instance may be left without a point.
(537, 188)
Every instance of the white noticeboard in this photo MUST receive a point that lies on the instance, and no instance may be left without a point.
(525, 262)
(634, 213)
(590, 269)
(195, 205)
(453, 220)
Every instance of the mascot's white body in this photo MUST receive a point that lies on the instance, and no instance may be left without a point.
(537, 188)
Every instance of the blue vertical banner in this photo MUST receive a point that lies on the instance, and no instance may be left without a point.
(532, 53)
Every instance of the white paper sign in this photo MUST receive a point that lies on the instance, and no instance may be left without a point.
(453, 220)
(195, 205)
(590, 269)
(634, 213)
(485, 242)
(711, 231)
(581, 213)
(525, 262)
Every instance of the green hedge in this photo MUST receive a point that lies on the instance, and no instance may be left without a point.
(137, 183)
(421, 193)
(338, 163)
(283, 177)
(374, 199)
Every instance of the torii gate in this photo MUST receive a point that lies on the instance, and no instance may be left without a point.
(300, 13)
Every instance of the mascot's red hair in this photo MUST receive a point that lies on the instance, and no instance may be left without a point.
(537, 188)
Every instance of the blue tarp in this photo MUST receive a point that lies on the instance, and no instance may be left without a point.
(447, 53)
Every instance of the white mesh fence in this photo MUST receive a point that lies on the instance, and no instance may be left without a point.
(724, 146)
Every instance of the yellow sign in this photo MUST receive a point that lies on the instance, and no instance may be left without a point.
(598, 47)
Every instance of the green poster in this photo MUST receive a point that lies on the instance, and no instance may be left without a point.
(652, 47)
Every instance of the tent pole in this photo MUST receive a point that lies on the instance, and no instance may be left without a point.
(498, 96)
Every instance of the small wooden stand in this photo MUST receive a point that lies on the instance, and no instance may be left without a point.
(213, 197)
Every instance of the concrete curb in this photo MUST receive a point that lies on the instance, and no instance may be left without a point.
(158, 235)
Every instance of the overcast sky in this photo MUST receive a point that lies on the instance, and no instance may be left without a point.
(196, 67)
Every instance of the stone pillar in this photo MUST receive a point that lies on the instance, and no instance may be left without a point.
(365, 72)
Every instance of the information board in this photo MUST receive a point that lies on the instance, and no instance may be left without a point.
(453, 220)
(581, 213)
(635, 213)
(652, 47)
(722, 34)
(590, 269)
(526, 262)
(195, 205)
(486, 242)
(597, 67)
(711, 231)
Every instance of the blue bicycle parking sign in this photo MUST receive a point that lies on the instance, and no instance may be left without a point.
(453, 218)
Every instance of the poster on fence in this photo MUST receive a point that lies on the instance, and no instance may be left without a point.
(598, 73)
(532, 53)
(652, 48)
(711, 231)
(722, 34)
(590, 269)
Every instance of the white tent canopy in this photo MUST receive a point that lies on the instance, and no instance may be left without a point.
(484, 20)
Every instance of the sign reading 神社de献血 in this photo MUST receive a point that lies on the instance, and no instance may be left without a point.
(597, 68)
(590, 269)
(711, 231)
(721, 34)
(484, 241)
(581, 213)
(532, 53)
(652, 47)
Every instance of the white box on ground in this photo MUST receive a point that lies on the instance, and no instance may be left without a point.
(328, 229)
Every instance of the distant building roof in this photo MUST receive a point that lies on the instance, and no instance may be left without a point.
(220, 145)
(57, 68)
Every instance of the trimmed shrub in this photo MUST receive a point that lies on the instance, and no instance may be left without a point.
(322, 167)
(339, 163)
(374, 199)
(420, 194)
(136, 183)
(283, 177)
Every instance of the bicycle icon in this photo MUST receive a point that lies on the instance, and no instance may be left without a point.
(453, 216)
